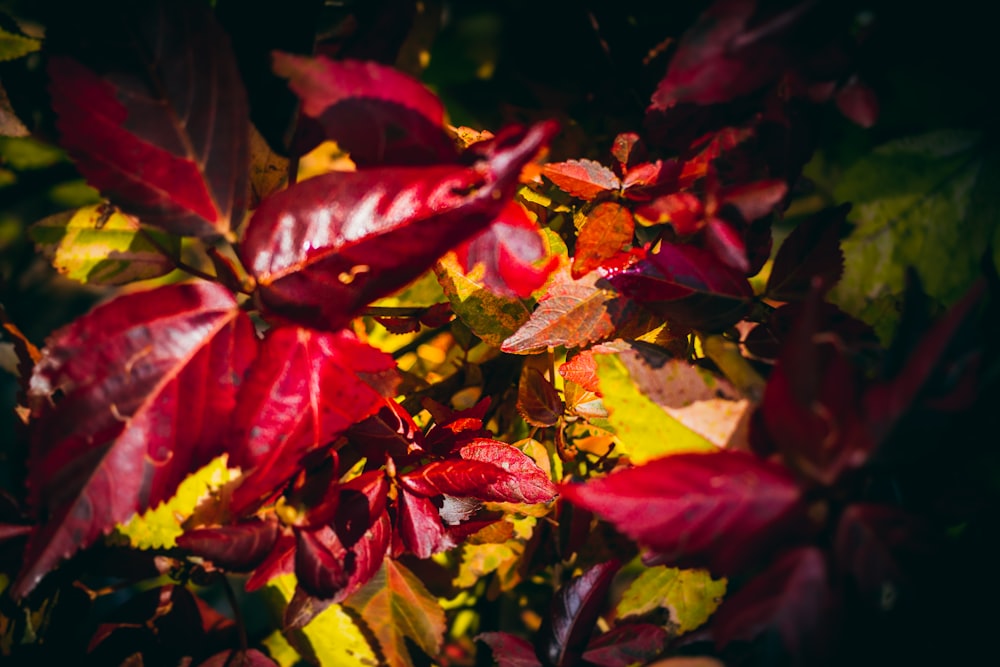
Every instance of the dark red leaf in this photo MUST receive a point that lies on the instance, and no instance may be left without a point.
(325, 248)
(156, 118)
(230, 658)
(754, 200)
(792, 597)
(304, 389)
(238, 548)
(361, 504)
(280, 561)
(858, 102)
(811, 250)
(419, 529)
(526, 483)
(510, 650)
(626, 645)
(686, 285)
(607, 230)
(391, 431)
(142, 380)
(319, 562)
(650, 179)
(399, 325)
(727, 244)
(377, 114)
(718, 510)
(456, 477)
(584, 179)
(508, 250)
(566, 630)
(537, 400)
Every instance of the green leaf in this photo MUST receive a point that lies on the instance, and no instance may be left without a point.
(99, 250)
(395, 605)
(159, 526)
(16, 46)
(333, 637)
(644, 430)
(926, 202)
(691, 596)
(26, 153)
(492, 317)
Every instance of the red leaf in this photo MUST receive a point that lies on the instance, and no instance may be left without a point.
(325, 248)
(378, 115)
(584, 179)
(159, 125)
(792, 597)
(683, 210)
(626, 645)
(811, 250)
(419, 529)
(582, 369)
(858, 102)
(607, 230)
(238, 548)
(687, 285)
(304, 389)
(319, 562)
(719, 510)
(727, 244)
(280, 561)
(566, 631)
(526, 483)
(754, 200)
(508, 250)
(144, 379)
(460, 478)
(510, 650)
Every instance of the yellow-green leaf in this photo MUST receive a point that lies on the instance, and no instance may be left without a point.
(644, 429)
(15, 46)
(92, 247)
(159, 526)
(691, 596)
(492, 317)
(395, 605)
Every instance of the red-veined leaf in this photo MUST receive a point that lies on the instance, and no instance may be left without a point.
(717, 510)
(582, 178)
(607, 230)
(396, 605)
(510, 650)
(508, 250)
(792, 597)
(325, 248)
(377, 114)
(687, 285)
(526, 482)
(566, 630)
(155, 116)
(143, 380)
(455, 477)
(238, 548)
(811, 250)
(304, 389)
(626, 645)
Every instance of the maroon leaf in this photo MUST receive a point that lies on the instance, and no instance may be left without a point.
(156, 118)
(727, 244)
(238, 548)
(566, 630)
(607, 230)
(456, 477)
(626, 645)
(754, 200)
(537, 400)
(325, 248)
(304, 389)
(378, 115)
(143, 380)
(858, 102)
(510, 650)
(280, 561)
(319, 562)
(582, 178)
(419, 529)
(527, 483)
(811, 250)
(687, 285)
(792, 597)
(717, 510)
(508, 250)
(230, 658)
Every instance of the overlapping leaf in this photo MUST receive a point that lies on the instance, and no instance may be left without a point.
(155, 116)
(582, 178)
(324, 249)
(125, 404)
(607, 230)
(717, 510)
(690, 596)
(567, 628)
(811, 251)
(626, 645)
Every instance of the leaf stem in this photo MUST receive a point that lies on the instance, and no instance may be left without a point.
(178, 263)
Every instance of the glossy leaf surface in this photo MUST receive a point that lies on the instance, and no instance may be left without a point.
(156, 118)
(239, 548)
(575, 608)
(510, 650)
(142, 379)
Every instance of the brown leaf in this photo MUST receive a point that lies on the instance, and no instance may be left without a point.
(537, 400)
(607, 230)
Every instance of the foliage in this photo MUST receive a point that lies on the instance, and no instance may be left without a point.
(571, 381)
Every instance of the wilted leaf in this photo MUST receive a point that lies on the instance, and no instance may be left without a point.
(304, 389)
(156, 118)
(327, 247)
(103, 247)
(582, 178)
(812, 250)
(142, 380)
(396, 605)
(627, 644)
(607, 230)
(719, 510)
(569, 624)
(691, 596)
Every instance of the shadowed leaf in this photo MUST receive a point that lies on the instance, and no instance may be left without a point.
(567, 628)
(811, 250)
(510, 650)
(626, 645)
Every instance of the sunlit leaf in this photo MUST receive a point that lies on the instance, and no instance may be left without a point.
(582, 178)
(691, 596)
(607, 230)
